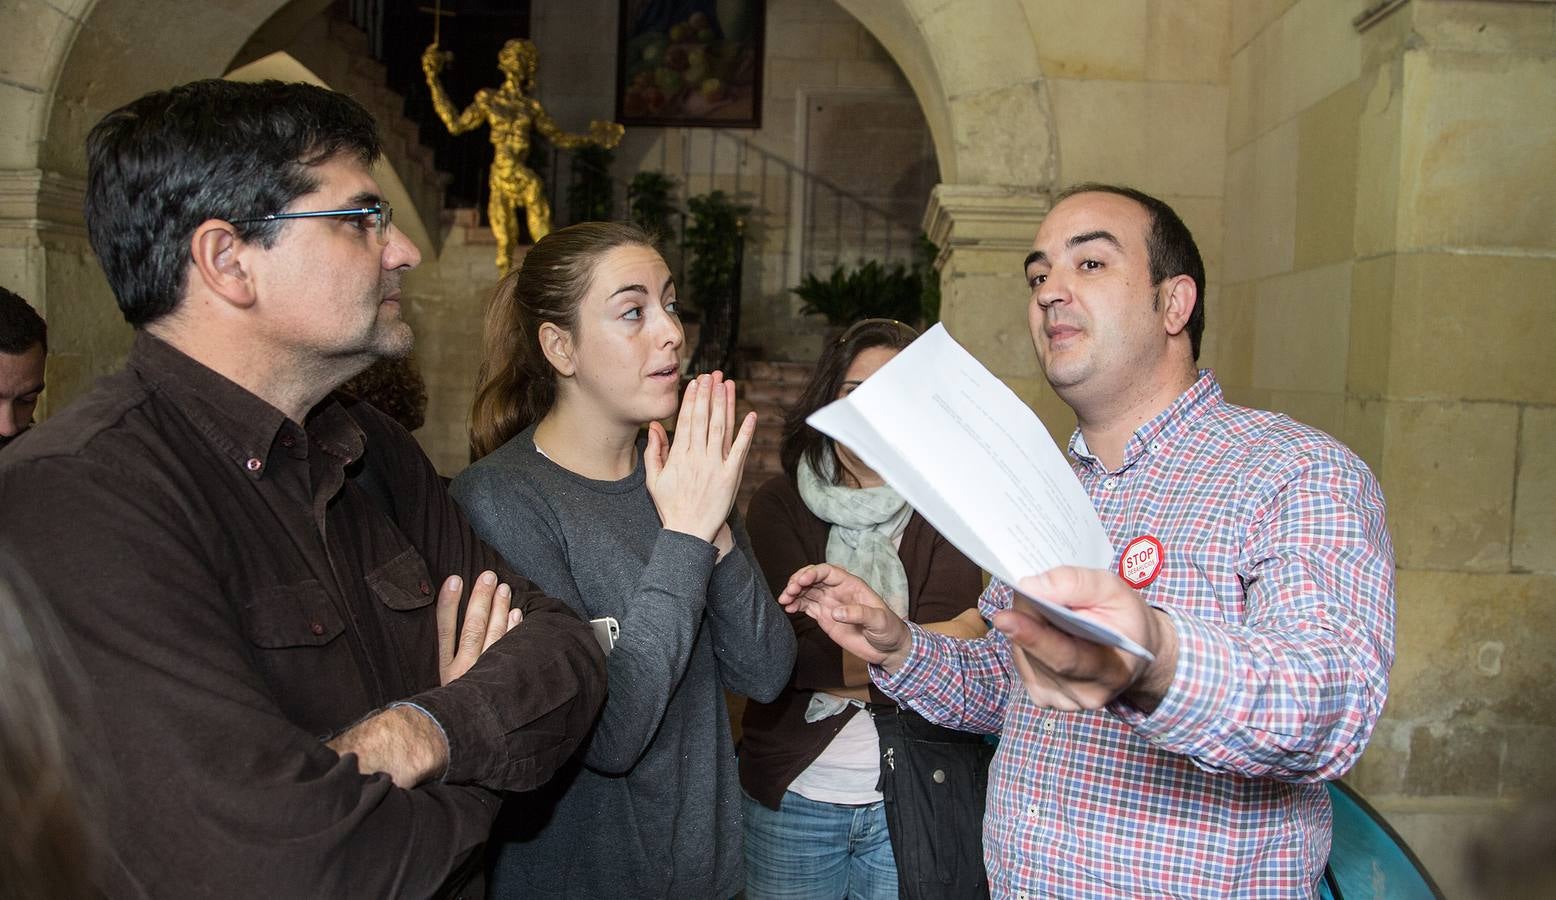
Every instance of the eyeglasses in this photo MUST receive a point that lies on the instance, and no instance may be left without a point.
(903, 328)
(381, 212)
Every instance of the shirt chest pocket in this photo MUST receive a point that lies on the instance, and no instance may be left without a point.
(298, 646)
(291, 615)
(405, 588)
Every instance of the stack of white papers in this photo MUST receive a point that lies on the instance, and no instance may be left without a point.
(976, 462)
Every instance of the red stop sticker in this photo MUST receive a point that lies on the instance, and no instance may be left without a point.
(1142, 561)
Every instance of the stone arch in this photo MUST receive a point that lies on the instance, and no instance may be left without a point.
(974, 101)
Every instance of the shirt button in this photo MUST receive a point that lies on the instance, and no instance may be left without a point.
(425, 589)
(1156, 446)
(939, 776)
(316, 628)
(1110, 483)
(1048, 725)
(1031, 812)
(254, 464)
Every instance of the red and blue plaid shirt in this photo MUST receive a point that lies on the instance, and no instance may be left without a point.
(1279, 575)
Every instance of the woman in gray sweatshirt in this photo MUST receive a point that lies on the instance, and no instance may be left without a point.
(580, 352)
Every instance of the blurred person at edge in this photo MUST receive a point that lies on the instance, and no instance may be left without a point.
(44, 851)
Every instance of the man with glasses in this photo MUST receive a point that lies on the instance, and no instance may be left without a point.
(1253, 563)
(285, 700)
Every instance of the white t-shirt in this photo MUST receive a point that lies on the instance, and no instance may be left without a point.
(848, 770)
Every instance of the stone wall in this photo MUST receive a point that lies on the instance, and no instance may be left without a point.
(1453, 385)
(1390, 245)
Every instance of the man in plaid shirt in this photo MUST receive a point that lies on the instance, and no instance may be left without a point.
(1254, 564)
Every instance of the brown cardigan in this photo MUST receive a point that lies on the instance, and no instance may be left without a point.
(777, 744)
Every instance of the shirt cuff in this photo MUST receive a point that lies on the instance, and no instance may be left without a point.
(914, 673)
(1200, 692)
(443, 732)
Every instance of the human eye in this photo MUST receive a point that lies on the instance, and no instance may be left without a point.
(1091, 265)
(362, 221)
(673, 306)
(633, 313)
(1034, 281)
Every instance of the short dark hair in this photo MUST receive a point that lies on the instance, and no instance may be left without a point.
(211, 149)
(800, 440)
(1170, 246)
(21, 328)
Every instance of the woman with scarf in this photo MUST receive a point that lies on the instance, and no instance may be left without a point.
(848, 795)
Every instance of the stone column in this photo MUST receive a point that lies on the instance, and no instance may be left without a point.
(1452, 397)
(984, 233)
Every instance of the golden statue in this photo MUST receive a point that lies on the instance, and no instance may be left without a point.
(510, 111)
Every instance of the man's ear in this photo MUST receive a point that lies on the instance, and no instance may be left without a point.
(557, 345)
(219, 258)
(1178, 303)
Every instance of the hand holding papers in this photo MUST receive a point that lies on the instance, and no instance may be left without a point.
(972, 458)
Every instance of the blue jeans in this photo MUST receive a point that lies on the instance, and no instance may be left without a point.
(806, 850)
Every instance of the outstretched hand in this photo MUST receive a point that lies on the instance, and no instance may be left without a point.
(851, 614)
(1061, 671)
(693, 481)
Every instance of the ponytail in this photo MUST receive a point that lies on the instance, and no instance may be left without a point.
(517, 385)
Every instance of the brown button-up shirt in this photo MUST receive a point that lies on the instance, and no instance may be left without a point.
(238, 588)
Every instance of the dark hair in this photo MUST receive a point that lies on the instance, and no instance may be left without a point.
(1170, 246)
(800, 441)
(21, 328)
(517, 385)
(211, 149)
(393, 386)
(47, 848)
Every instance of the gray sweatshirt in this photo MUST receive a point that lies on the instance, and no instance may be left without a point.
(652, 806)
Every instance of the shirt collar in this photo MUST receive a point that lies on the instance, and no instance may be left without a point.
(245, 428)
(1201, 396)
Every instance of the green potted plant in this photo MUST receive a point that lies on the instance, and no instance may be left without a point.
(873, 290)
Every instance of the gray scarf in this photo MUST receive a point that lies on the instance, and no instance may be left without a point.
(865, 522)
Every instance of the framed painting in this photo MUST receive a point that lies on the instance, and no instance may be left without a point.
(690, 62)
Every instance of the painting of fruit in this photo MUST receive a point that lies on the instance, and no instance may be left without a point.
(690, 62)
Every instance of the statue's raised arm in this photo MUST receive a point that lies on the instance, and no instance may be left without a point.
(433, 61)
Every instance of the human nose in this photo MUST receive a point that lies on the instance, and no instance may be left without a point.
(399, 251)
(1052, 290)
(10, 422)
(672, 333)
